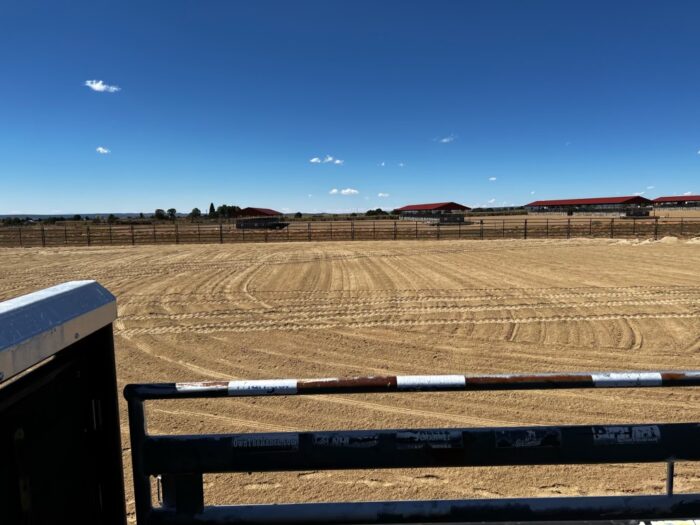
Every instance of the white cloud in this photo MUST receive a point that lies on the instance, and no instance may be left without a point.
(382, 164)
(349, 191)
(381, 194)
(310, 195)
(699, 152)
(333, 191)
(650, 187)
(401, 164)
(445, 140)
(328, 159)
(492, 179)
(491, 201)
(688, 193)
(101, 87)
(532, 192)
(103, 151)
(639, 193)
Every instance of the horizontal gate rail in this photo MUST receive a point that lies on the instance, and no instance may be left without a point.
(447, 511)
(181, 460)
(422, 448)
(433, 383)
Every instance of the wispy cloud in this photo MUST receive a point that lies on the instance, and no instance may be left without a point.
(101, 87)
(639, 193)
(688, 193)
(381, 194)
(381, 164)
(311, 195)
(532, 192)
(103, 151)
(650, 187)
(334, 191)
(492, 179)
(349, 191)
(328, 159)
(445, 140)
(401, 164)
(491, 201)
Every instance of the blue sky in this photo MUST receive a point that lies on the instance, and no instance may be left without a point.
(480, 102)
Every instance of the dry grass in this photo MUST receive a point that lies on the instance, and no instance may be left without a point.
(325, 309)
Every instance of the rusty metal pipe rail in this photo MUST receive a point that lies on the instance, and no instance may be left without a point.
(181, 461)
(432, 383)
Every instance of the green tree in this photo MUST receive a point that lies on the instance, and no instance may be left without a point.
(141, 215)
(195, 213)
(172, 213)
(160, 214)
(212, 210)
(77, 217)
(297, 215)
(112, 218)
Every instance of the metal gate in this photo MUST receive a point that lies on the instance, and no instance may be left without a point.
(181, 461)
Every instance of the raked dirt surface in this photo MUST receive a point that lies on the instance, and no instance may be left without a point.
(415, 307)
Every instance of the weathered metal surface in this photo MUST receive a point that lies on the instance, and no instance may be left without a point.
(445, 511)
(36, 326)
(434, 383)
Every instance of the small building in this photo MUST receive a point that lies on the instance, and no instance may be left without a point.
(629, 205)
(259, 212)
(679, 201)
(439, 212)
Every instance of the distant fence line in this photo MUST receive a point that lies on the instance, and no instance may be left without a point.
(364, 230)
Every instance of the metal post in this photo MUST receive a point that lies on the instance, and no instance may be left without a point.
(459, 230)
(177, 235)
(634, 227)
(481, 229)
(416, 229)
(525, 230)
(65, 234)
(19, 230)
(288, 226)
(504, 228)
(308, 230)
(221, 233)
(394, 230)
(266, 235)
(133, 239)
(110, 234)
(88, 235)
(352, 230)
(546, 228)
(331, 225)
(568, 228)
(670, 467)
(656, 228)
(612, 228)
(154, 234)
(43, 236)
(374, 230)
(438, 230)
(681, 227)
(199, 234)
(590, 228)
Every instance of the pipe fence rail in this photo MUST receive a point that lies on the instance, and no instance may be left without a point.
(179, 461)
(359, 230)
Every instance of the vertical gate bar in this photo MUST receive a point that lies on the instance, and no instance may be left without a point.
(65, 234)
(133, 240)
(459, 230)
(590, 228)
(288, 225)
(331, 225)
(525, 230)
(634, 226)
(504, 228)
(19, 230)
(546, 227)
(154, 234)
(142, 484)
(110, 234)
(177, 235)
(681, 226)
(88, 235)
(670, 467)
(308, 230)
(612, 228)
(221, 233)
(352, 230)
(43, 236)
(394, 230)
(416, 229)
(481, 229)
(656, 228)
(568, 228)
(438, 230)
(199, 235)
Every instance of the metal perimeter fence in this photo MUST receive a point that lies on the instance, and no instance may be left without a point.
(364, 230)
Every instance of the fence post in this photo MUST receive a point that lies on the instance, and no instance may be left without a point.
(525, 230)
(352, 230)
(308, 230)
(546, 227)
(568, 228)
(155, 241)
(199, 234)
(221, 233)
(504, 229)
(374, 230)
(288, 225)
(612, 228)
(177, 235)
(459, 230)
(19, 230)
(634, 227)
(110, 234)
(133, 239)
(481, 229)
(394, 230)
(416, 229)
(43, 236)
(331, 227)
(266, 230)
(656, 228)
(438, 231)
(681, 234)
(65, 234)
(88, 235)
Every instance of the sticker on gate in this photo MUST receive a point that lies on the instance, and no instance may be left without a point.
(626, 435)
(266, 443)
(429, 439)
(528, 438)
(346, 441)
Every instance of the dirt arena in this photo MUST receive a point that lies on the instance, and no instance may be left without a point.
(404, 307)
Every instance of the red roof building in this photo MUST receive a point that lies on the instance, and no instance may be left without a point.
(259, 212)
(678, 200)
(435, 207)
(633, 200)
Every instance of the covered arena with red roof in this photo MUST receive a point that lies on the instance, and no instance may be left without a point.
(625, 204)
(437, 212)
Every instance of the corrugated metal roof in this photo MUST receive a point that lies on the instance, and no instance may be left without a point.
(678, 198)
(631, 199)
(433, 207)
(261, 211)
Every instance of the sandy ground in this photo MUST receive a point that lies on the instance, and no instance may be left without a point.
(405, 307)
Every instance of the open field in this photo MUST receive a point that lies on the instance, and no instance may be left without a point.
(367, 308)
